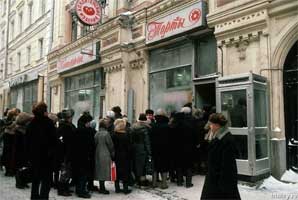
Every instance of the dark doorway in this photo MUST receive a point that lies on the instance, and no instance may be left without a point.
(291, 106)
(205, 95)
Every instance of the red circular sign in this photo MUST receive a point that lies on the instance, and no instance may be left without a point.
(88, 11)
(195, 15)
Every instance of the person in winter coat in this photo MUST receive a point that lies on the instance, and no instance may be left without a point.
(104, 154)
(110, 121)
(122, 145)
(141, 148)
(83, 154)
(22, 121)
(8, 156)
(40, 144)
(221, 179)
(65, 136)
(160, 148)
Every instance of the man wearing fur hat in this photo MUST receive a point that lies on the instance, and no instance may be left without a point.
(65, 135)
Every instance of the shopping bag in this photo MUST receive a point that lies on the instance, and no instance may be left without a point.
(113, 171)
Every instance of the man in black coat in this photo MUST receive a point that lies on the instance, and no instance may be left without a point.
(40, 144)
(221, 179)
(83, 153)
(65, 134)
(160, 148)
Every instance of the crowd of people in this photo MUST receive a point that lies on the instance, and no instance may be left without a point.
(50, 151)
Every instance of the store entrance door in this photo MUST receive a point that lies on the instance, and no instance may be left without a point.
(205, 94)
(291, 106)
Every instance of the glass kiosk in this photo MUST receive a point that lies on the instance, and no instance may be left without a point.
(243, 99)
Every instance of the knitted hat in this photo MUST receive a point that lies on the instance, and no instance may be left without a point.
(120, 126)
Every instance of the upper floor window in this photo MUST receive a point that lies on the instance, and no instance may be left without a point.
(85, 30)
(74, 29)
(19, 61)
(2, 39)
(4, 7)
(40, 45)
(10, 65)
(28, 55)
(12, 29)
(21, 22)
(30, 9)
(43, 7)
(11, 2)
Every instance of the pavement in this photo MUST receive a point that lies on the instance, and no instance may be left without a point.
(9, 192)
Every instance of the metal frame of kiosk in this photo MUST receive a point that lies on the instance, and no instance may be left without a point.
(244, 100)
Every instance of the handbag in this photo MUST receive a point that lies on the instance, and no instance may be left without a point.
(113, 172)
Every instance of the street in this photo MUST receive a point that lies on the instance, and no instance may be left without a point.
(270, 189)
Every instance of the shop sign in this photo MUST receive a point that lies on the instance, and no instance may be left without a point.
(77, 58)
(18, 80)
(88, 11)
(179, 22)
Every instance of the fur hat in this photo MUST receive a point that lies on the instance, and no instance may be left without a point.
(161, 112)
(142, 117)
(110, 114)
(186, 110)
(120, 126)
(23, 118)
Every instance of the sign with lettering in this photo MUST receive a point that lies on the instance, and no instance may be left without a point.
(178, 22)
(88, 11)
(77, 58)
(18, 80)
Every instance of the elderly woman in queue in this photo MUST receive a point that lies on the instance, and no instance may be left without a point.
(123, 147)
(221, 179)
(104, 153)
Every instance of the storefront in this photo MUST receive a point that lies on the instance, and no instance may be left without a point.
(23, 92)
(83, 81)
(182, 59)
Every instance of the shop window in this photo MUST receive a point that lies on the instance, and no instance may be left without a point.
(180, 77)
(82, 93)
(171, 57)
(206, 56)
(13, 98)
(30, 96)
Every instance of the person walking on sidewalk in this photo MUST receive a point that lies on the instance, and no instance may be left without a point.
(221, 179)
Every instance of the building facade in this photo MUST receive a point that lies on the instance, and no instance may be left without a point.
(143, 54)
(27, 41)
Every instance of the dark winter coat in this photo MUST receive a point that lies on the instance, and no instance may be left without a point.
(123, 148)
(104, 154)
(160, 144)
(22, 122)
(8, 157)
(65, 135)
(184, 145)
(221, 179)
(41, 143)
(141, 146)
(83, 152)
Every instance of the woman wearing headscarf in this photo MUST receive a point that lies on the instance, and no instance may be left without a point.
(104, 154)
(122, 145)
(221, 179)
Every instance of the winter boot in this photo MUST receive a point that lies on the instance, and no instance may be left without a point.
(154, 179)
(117, 187)
(102, 188)
(125, 188)
(188, 178)
(164, 181)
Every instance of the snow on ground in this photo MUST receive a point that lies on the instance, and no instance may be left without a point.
(270, 188)
(290, 176)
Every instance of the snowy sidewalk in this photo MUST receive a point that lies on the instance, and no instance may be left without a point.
(269, 189)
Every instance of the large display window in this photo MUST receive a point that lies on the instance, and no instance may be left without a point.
(82, 93)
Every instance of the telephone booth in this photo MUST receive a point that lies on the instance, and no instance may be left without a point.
(243, 99)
